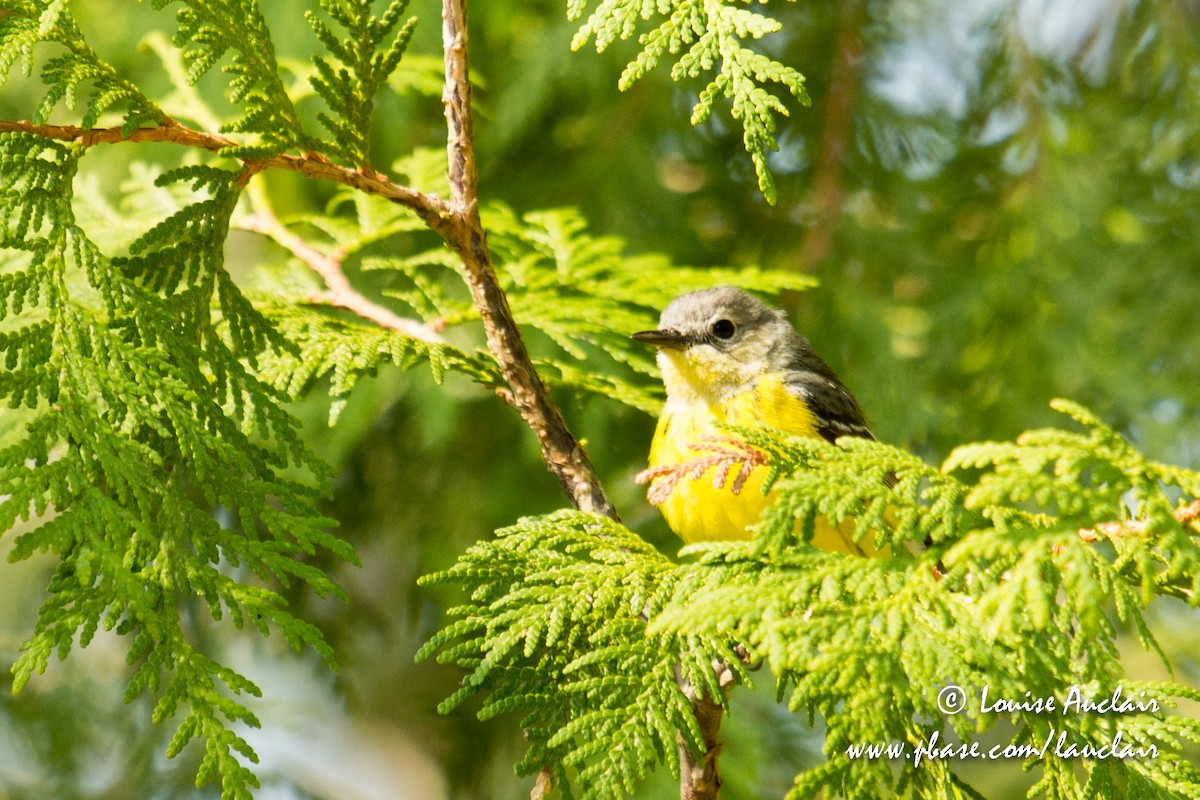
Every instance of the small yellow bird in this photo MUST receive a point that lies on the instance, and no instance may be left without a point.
(728, 358)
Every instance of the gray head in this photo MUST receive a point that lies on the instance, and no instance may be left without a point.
(715, 342)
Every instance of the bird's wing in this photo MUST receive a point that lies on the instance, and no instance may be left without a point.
(833, 407)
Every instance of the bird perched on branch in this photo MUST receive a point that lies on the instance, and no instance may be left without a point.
(728, 358)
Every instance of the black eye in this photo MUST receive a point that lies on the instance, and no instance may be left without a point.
(723, 329)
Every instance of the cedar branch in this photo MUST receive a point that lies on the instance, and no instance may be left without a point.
(340, 291)
(457, 222)
(698, 779)
(466, 236)
(432, 209)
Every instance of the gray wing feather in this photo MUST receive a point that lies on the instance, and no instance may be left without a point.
(836, 410)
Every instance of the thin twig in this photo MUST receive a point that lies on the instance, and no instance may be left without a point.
(340, 291)
(564, 456)
(465, 235)
(561, 451)
(543, 784)
(432, 209)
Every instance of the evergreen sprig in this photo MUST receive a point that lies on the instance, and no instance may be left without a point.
(30, 23)
(350, 89)
(1012, 568)
(582, 295)
(155, 459)
(343, 351)
(208, 29)
(705, 36)
(565, 598)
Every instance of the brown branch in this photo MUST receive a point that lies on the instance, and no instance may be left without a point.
(698, 780)
(340, 292)
(457, 222)
(431, 209)
(465, 235)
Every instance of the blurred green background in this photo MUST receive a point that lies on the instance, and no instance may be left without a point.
(1000, 199)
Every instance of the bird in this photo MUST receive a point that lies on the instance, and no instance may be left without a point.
(728, 358)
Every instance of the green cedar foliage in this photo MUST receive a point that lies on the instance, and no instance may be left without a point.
(154, 458)
(555, 628)
(31, 23)
(704, 36)
(147, 416)
(350, 91)
(158, 464)
(208, 29)
(572, 622)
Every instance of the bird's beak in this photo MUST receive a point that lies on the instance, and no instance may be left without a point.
(671, 340)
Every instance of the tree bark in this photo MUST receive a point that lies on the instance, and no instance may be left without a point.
(466, 236)
(699, 779)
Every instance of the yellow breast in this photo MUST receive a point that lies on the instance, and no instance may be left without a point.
(705, 507)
